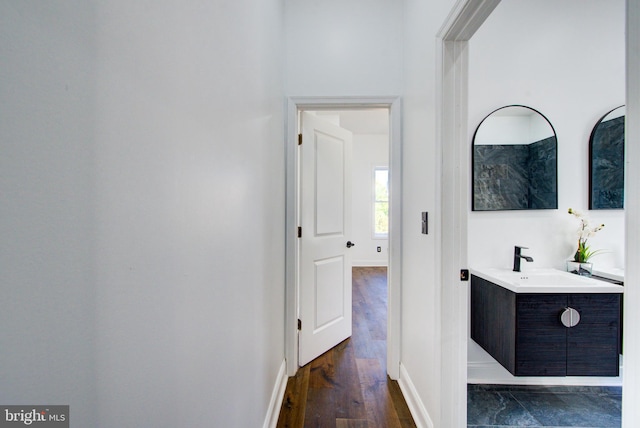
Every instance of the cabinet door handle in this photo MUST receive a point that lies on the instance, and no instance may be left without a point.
(569, 317)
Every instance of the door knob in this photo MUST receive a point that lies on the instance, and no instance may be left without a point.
(350, 244)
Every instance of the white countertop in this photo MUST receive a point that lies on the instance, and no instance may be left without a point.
(545, 280)
(616, 274)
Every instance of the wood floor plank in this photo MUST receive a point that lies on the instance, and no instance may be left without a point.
(361, 337)
(377, 400)
(320, 411)
(322, 371)
(349, 399)
(352, 423)
(347, 387)
(404, 414)
(294, 403)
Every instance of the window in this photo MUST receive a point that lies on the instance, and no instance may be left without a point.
(381, 202)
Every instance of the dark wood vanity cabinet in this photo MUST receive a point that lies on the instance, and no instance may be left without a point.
(523, 331)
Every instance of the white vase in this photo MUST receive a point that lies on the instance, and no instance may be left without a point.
(580, 268)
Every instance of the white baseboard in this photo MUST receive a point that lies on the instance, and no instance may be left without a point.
(416, 407)
(277, 395)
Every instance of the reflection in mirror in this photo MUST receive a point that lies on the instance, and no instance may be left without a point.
(514, 161)
(606, 162)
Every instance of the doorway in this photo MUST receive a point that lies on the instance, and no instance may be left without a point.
(465, 18)
(292, 291)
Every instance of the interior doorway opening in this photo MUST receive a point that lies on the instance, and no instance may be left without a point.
(363, 116)
(342, 216)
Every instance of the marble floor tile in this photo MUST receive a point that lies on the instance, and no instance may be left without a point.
(486, 408)
(570, 409)
(503, 406)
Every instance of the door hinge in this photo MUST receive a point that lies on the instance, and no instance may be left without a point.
(464, 274)
(299, 324)
(299, 139)
(299, 232)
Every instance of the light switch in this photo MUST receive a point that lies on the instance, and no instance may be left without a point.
(425, 222)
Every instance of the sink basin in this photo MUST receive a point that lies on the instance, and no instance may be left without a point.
(545, 281)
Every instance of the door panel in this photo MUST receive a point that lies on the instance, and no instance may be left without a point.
(329, 179)
(329, 292)
(325, 218)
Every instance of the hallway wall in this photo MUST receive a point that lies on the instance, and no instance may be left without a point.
(142, 183)
(142, 178)
(422, 340)
(343, 48)
(190, 189)
(47, 205)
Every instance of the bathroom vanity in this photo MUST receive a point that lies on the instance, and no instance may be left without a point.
(547, 322)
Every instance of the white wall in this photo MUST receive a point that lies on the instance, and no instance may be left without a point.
(421, 300)
(369, 151)
(343, 48)
(517, 129)
(142, 177)
(47, 212)
(565, 59)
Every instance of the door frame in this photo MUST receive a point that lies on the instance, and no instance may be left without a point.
(394, 272)
(631, 374)
(452, 73)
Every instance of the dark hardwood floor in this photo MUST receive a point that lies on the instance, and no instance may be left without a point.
(348, 385)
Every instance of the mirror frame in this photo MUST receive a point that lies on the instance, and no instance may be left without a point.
(473, 166)
(592, 202)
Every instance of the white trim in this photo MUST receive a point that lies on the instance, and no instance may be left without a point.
(453, 190)
(291, 242)
(411, 396)
(394, 273)
(277, 395)
(465, 18)
(631, 378)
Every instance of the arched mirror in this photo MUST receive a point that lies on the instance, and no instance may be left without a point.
(515, 163)
(606, 162)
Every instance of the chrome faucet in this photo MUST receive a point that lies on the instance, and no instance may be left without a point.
(517, 256)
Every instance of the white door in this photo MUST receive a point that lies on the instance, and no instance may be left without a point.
(325, 218)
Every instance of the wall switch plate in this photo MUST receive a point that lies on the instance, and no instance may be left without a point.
(425, 222)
